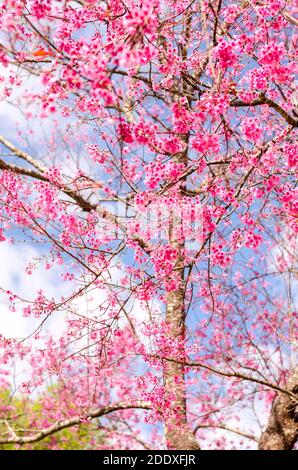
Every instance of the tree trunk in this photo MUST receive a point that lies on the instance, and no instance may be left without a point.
(178, 434)
(281, 432)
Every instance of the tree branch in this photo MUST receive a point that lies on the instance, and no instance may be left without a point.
(97, 413)
(83, 203)
(23, 155)
(290, 18)
(236, 375)
(21, 171)
(226, 428)
(262, 99)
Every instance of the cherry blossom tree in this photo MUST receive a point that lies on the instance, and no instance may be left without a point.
(162, 195)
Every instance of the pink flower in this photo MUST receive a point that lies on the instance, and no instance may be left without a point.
(251, 129)
(272, 53)
(225, 53)
(97, 155)
(291, 152)
(206, 143)
(2, 237)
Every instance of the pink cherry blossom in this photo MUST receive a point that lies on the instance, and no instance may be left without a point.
(148, 224)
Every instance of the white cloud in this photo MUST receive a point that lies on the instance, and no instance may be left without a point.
(13, 261)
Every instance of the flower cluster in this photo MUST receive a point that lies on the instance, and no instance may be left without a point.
(97, 155)
(165, 259)
(226, 53)
(272, 53)
(251, 128)
(206, 143)
(291, 152)
(157, 171)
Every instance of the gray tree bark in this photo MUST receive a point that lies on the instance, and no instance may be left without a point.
(281, 432)
(178, 434)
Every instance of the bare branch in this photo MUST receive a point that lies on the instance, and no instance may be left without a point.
(21, 171)
(226, 428)
(262, 99)
(290, 18)
(97, 413)
(236, 375)
(23, 155)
